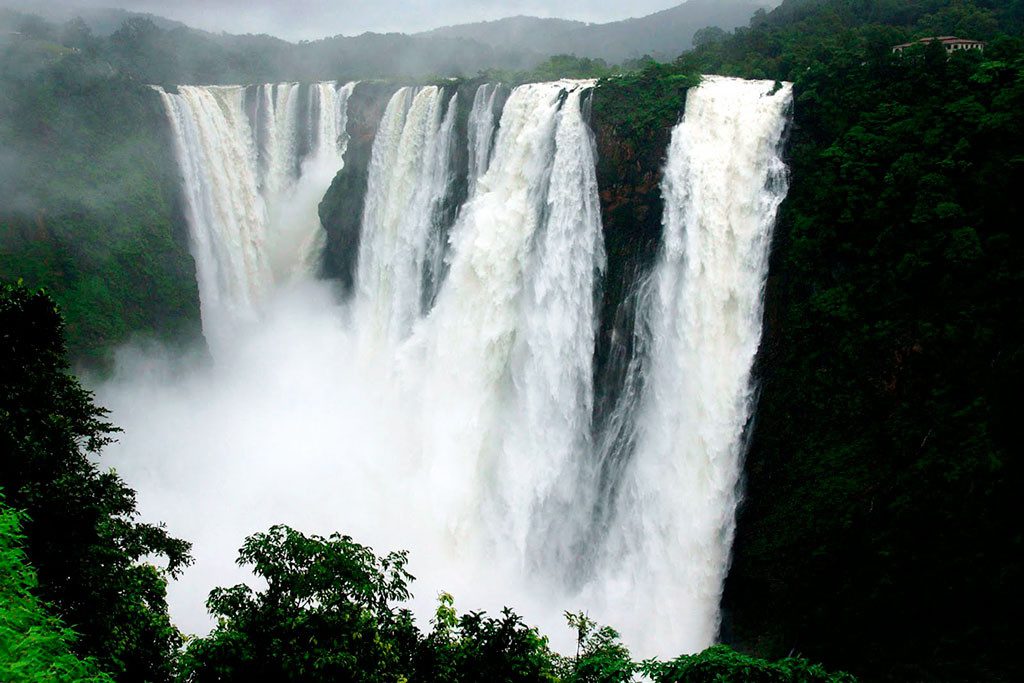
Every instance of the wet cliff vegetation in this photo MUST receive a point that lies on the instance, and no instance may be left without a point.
(89, 201)
(877, 533)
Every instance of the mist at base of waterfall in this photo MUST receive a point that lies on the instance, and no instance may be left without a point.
(288, 430)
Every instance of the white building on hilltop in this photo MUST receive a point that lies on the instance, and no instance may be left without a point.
(950, 43)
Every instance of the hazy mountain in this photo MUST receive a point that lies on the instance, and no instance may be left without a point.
(102, 21)
(156, 50)
(532, 34)
(662, 34)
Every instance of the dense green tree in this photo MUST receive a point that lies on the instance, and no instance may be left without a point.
(600, 655)
(34, 645)
(708, 35)
(476, 647)
(328, 613)
(720, 664)
(80, 530)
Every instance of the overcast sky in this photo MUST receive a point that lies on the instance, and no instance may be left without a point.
(297, 19)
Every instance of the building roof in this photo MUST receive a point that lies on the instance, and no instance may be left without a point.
(945, 40)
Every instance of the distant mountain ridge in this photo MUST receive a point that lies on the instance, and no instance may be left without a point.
(152, 49)
(664, 34)
(103, 21)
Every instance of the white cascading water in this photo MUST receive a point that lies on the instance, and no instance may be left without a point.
(481, 131)
(545, 474)
(447, 407)
(403, 242)
(724, 182)
(277, 131)
(251, 203)
(298, 236)
(226, 213)
(508, 348)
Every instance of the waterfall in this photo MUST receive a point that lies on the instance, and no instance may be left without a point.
(723, 184)
(402, 247)
(524, 252)
(299, 236)
(227, 215)
(277, 116)
(546, 461)
(448, 406)
(328, 121)
(250, 197)
(481, 131)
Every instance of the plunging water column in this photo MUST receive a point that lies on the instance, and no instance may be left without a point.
(724, 181)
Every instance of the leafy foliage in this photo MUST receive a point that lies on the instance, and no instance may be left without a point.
(330, 610)
(34, 646)
(720, 664)
(80, 531)
(600, 655)
(326, 614)
(484, 648)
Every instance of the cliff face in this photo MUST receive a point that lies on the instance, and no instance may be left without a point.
(629, 182)
(341, 210)
(632, 119)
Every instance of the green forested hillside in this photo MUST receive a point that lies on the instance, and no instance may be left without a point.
(878, 532)
(664, 34)
(88, 195)
(152, 52)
